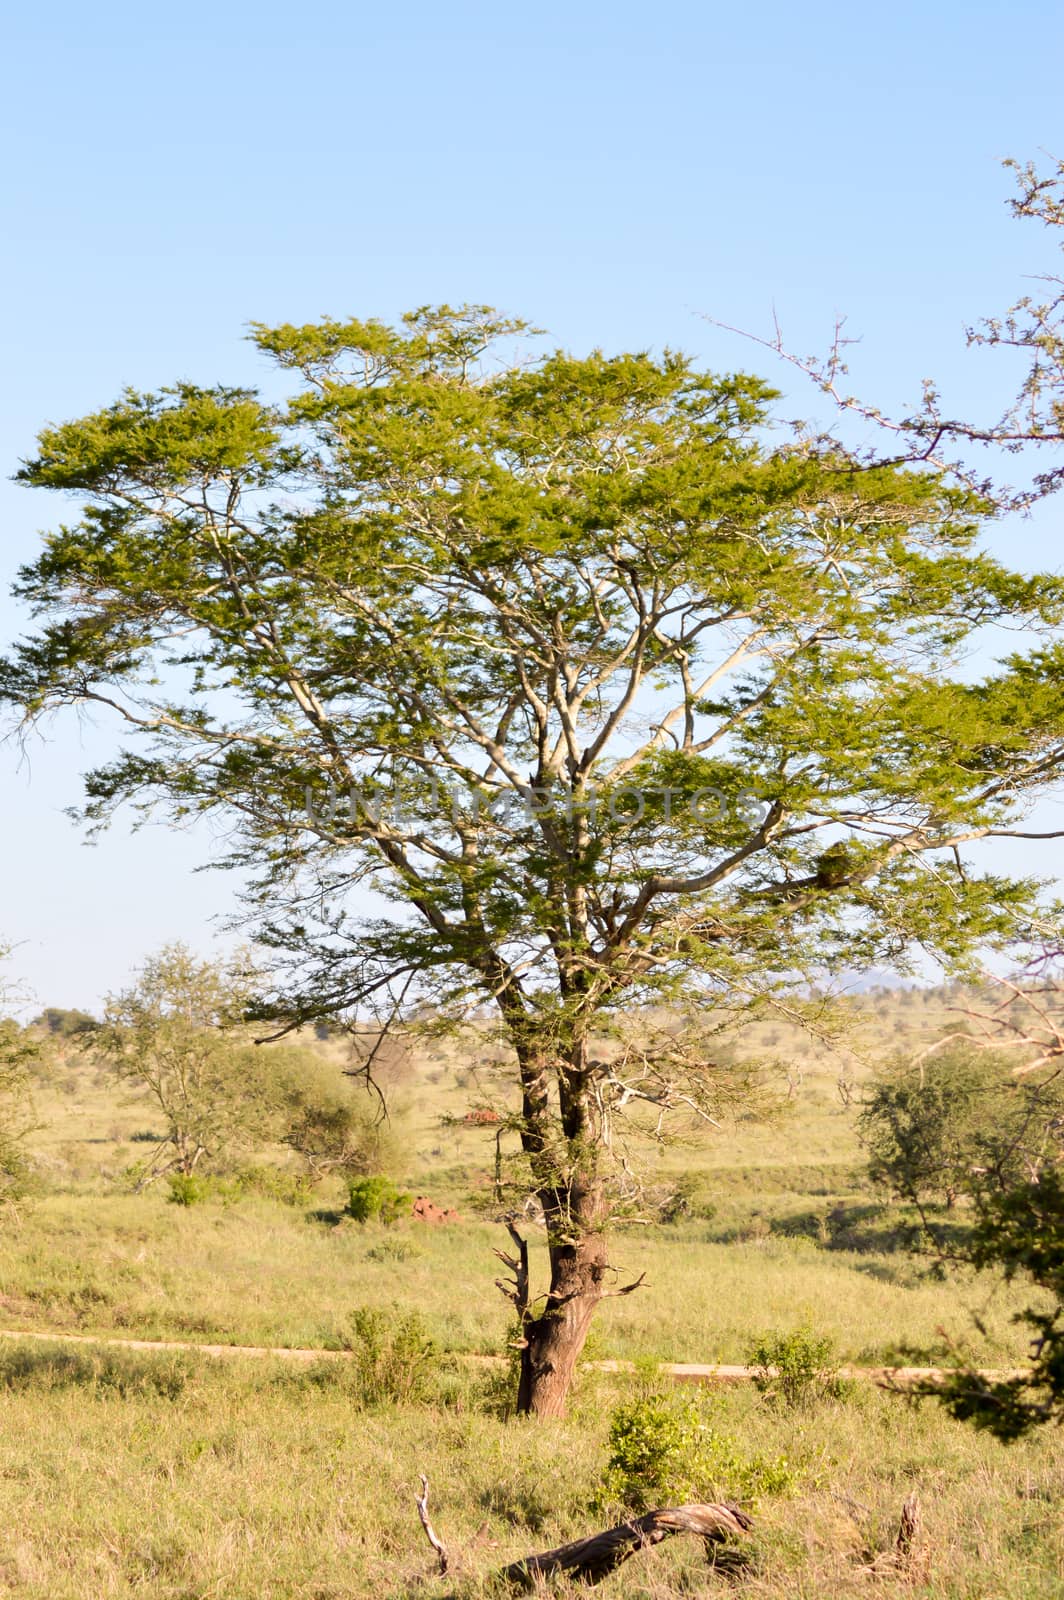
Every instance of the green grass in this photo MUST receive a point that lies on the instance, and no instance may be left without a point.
(262, 1273)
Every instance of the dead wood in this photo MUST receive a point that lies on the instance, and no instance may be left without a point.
(422, 1503)
(516, 1292)
(594, 1558)
(910, 1529)
(908, 1554)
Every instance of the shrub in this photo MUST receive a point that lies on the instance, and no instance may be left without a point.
(1019, 1231)
(960, 1122)
(395, 1250)
(333, 1125)
(377, 1200)
(664, 1452)
(391, 1356)
(681, 1201)
(796, 1369)
(18, 1052)
(65, 1024)
(186, 1189)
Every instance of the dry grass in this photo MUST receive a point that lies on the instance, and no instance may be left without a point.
(179, 1479)
(172, 1478)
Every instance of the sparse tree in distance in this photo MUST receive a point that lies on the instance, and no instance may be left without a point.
(616, 692)
(63, 1023)
(181, 1033)
(331, 1119)
(958, 1123)
(19, 1052)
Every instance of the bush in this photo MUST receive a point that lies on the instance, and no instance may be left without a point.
(959, 1122)
(395, 1250)
(187, 1189)
(377, 1200)
(332, 1125)
(681, 1201)
(18, 1053)
(272, 1183)
(392, 1356)
(664, 1452)
(1019, 1231)
(796, 1370)
(65, 1024)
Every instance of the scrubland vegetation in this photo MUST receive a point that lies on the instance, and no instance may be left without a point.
(171, 1473)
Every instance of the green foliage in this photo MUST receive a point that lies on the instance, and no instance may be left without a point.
(796, 1369)
(377, 1199)
(392, 1356)
(124, 1374)
(664, 1451)
(452, 508)
(274, 1183)
(1020, 1230)
(270, 1183)
(186, 1188)
(684, 1198)
(178, 1033)
(332, 1124)
(400, 1249)
(958, 1124)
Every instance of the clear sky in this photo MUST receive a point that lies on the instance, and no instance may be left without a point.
(611, 171)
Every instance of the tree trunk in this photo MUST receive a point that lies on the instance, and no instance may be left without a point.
(555, 1338)
(570, 1188)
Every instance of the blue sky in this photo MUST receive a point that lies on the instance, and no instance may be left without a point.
(614, 172)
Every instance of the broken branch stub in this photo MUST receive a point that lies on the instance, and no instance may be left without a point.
(422, 1503)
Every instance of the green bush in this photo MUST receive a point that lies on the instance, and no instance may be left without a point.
(685, 1200)
(796, 1369)
(663, 1451)
(395, 1250)
(392, 1356)
(377, 1200)
(960, 1123)
(187, 1189)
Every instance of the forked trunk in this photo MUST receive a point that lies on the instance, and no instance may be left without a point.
(555, 1338)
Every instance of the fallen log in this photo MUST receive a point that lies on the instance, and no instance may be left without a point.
(594, 1558)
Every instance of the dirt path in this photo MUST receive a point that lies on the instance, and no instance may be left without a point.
(679, 1371)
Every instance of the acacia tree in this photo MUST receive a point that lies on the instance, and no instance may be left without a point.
(612, 694)
(178, 1033)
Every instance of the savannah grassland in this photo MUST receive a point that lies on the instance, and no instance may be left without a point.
(176, 1474)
